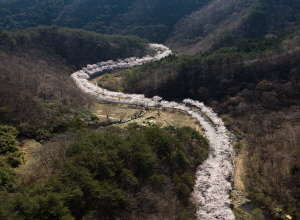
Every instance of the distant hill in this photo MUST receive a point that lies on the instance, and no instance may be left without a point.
(188, 26)
(225, 23)
(151, 19)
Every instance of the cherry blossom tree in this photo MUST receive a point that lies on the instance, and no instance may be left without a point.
(213, 177)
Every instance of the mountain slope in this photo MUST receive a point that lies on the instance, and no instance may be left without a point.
(151, 19)
(225, 23)
(37, 94)
(255, 86)
(187, 26)
(109, 173)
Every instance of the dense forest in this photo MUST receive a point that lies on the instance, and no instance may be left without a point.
(114, 173)
(239, 57)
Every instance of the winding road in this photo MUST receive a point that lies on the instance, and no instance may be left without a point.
(214, 176)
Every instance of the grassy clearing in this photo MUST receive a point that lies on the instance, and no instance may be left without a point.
(111, 80)
(27, 146)
(151, 116)
(115, 112)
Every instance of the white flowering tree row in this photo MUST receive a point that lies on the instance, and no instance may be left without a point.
(214, 176)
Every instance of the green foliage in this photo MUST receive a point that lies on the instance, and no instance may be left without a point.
(99, 172)
(10, 157)
(157, 180)
(116, 161)
(43, 134)
(261, 45)
(7, 176)
(186, 215)
(82, 190)
(187, 133)
(47, 206)
(9, 150)
(257, 214)
(179, 159)
(8, 139)
(78, 123)
(184, 184)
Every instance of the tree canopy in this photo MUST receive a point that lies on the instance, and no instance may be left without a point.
(104, 170)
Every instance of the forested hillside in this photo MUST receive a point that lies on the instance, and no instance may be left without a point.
(239, 57)
(255, 86)
(37, 93)
(117, 173)
(75, 171)
(225, 23)
(187, 26)
(151, 19)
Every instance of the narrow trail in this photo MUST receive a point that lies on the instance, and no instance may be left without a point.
(214, 177)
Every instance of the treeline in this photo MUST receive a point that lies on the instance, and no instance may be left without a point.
(105, 175)
(256, 86)
(151, 19)
(37, 94)
(77, 47)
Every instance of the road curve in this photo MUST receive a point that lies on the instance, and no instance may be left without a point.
(214, 176)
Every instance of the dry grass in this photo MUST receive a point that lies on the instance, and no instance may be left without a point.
(31, 171)
(160, 116)
(27, 146)
(239, 175)
(113, 110)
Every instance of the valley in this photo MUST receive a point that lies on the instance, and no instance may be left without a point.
(211, 192)
(65, 154)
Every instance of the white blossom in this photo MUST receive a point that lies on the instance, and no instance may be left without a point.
(213, 184)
